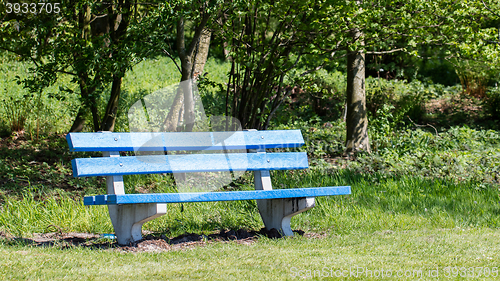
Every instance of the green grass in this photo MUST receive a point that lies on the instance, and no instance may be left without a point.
(400, 252)
(27, 215)
(377, 203)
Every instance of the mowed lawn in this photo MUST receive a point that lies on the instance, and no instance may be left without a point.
(444, 254)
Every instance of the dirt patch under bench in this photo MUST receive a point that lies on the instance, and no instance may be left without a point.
(149, 243)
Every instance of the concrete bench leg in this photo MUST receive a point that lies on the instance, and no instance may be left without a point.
(128, 219)
(277, 213)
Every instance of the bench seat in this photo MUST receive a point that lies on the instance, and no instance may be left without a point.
(215, 196)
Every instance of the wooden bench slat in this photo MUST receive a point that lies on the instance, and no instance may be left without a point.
(215, 196)
(107, 141)
(186, 163)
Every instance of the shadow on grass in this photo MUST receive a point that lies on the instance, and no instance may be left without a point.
(44, 165)
(152, 242)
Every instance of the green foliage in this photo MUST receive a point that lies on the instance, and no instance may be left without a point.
(40, 166)
(392, 103)
(319, 93)
(152, 75)
(401, 99)
(458, 154)
(265, 41)
(212, 89)
(16, 111)
(80, 42)
(48, 110)
(321, 139)
(492, 103)
(142, 79)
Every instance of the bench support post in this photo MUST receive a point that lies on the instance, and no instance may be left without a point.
(277, 213)
(128, 219)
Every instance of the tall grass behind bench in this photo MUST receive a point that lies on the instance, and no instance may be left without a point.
(24, 216)
(381, 202)
(377, 203)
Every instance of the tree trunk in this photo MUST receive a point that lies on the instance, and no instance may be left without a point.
(88, 99)
(79, 120)
(356, 119)
(201, 54)
(193, 61)
(172, 119)
(186, 57)
(118, 21)
(109, 119)
(187, 89)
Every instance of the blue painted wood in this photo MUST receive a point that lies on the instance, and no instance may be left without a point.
(214, 162)
(107, 141)
(90, 200)
(216, 196)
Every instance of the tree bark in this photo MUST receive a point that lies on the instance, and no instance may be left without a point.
(186, 57)
(87, 93)
(109, 119)
(172, 119)
(118, 20)
(79, 120)
(193, 61)
(356, 119)
(201, 53)
(89, 99)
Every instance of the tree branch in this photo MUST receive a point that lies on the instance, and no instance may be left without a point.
(197, 33)
(21, 55)
(384, 52)
(66, 72)
(172, 58)
(489, 9)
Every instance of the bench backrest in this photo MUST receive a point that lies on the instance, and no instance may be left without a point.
(186, 141)
(172, 141)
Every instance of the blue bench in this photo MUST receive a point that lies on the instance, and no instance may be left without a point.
(128, 212)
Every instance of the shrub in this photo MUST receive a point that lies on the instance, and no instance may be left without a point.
(492, 103)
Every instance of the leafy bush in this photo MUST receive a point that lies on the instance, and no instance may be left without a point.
(492, 103)
(323, 92)
(50, 110)
(404, 99)
(457, 154)
(321, 139)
